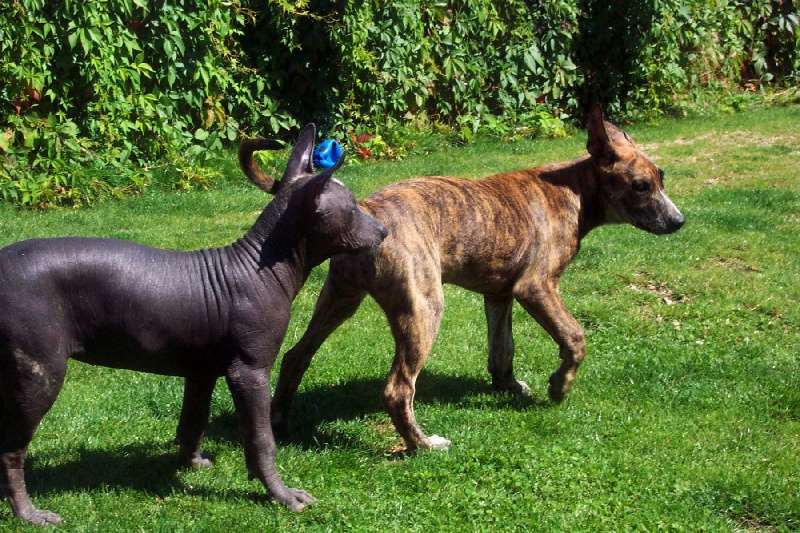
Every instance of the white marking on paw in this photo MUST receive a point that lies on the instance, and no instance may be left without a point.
(435, 442)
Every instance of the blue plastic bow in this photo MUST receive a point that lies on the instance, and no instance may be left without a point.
(327, 154)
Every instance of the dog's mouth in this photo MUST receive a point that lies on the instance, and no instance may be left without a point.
(365, 245)
(658, 216)
(661, 225)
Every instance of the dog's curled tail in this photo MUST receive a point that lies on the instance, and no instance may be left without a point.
(251, 169)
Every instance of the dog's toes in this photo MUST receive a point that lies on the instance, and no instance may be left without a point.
(511, 386)
(302, 496)
(556, 396)
(297, 499)
(42, 517)
(200, 460)
(435, 442)
(557, 392)
(203, 461)
(559, 387)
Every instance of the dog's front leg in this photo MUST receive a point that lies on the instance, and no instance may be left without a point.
(414, 320)
(12, 485)
(543, 302)
(501, 344)
(194, 419)
(336, 303)
(250, 389)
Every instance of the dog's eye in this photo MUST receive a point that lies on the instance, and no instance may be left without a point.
(641, 186)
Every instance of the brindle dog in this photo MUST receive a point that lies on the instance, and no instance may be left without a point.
(508, 237)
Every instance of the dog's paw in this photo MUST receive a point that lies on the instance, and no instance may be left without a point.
(295, 499)
(435, 442)
(518, 387)
(559, 388)
(195, 461)
(522, 388)
(512, 386)
(202, 461)
(40, 517)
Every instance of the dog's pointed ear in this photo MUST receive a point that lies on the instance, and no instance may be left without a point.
(300, 161)
(603, 135)
(598, 141)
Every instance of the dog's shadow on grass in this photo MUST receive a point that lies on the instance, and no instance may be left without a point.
(312, 409)
(133, 467)
(95, 468)
(138, 467)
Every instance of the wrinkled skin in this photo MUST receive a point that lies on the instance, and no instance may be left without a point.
(200, 315)
(508, 237)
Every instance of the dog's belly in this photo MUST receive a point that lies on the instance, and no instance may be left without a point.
(485, 277)
(117, 350)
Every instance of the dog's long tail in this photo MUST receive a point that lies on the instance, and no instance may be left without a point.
(251, 169)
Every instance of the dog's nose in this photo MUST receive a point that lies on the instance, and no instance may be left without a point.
(677, 222)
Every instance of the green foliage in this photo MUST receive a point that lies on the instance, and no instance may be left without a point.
(516, 68)
(151, 83)
(119, 85)
(368, 66)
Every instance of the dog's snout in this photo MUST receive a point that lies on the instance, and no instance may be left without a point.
(672, 217)
(374, 224)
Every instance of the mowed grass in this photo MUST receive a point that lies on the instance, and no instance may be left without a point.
(685, 415)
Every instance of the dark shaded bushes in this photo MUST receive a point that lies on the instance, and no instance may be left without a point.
(94, 93)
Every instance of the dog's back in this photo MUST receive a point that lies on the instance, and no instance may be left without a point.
(468, 230)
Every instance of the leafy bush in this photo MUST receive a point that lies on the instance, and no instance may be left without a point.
(511, 67)
(118, 86)
(97, 92)
(477, 64)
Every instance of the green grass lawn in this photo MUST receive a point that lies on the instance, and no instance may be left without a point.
(685, 415)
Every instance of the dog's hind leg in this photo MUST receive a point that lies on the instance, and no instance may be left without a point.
(337, 302)
(27, 391)
(414, 319)
(501, 344)
(194, 419)
(543, 302)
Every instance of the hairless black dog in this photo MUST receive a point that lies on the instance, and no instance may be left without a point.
(200, 315)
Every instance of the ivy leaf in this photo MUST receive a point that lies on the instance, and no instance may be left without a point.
(85, 42)
(566, 63)
(532, 58)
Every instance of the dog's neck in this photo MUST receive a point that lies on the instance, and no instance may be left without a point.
(580, 178)
(595, 211)
(278, 242)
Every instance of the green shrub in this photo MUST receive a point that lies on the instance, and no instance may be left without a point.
(477, 65)
(119, 86)
(97, 92)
